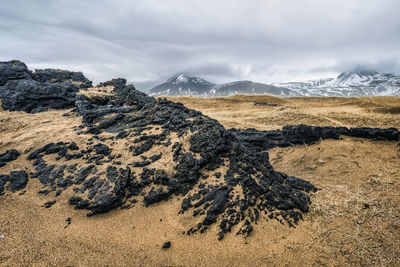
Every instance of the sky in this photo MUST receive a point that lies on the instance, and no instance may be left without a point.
(220, 40)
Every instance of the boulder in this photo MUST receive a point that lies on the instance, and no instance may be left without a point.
(13, 70)
(8, 156)
(32, 96)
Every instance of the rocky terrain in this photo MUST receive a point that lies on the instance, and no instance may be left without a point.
(221, 178)
(22, 89)
(125, 149)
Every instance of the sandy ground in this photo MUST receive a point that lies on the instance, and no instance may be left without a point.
(354, 218)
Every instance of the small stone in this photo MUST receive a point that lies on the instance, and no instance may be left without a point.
(167, 245)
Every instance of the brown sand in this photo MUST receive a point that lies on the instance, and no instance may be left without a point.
(354, 218)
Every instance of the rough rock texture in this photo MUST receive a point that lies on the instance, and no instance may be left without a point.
(58, 76)
(31, 96)
(13, 70)
(8, 156)
(304, 134)
(16, 180)
(21, 89)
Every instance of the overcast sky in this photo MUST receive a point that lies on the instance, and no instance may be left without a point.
(221, 40)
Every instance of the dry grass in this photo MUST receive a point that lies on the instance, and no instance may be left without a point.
(240, 111)
(354, 218)
(355, 213)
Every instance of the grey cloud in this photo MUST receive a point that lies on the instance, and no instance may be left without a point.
(147, 41)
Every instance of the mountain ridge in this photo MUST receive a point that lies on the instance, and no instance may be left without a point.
(346, 84)
(181, 84)
(352, 83)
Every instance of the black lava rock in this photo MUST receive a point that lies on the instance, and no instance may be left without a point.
(21, 89)
(102, 149)
(166, 245)
(8, 156)
(29, 95)
(3, 179)
(58, 76)
(305, 134)
(49, 204)
(18, 180)
(13, 70)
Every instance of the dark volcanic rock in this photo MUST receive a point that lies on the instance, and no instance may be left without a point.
(13, 70)
(21, 89)
(391, 134)
(48, 204)
(58, 76)
(18, 180)
(28, 95)
(3, 179)
(167, 244)
(304, 134)
(8, 156)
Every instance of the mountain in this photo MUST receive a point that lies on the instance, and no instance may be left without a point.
(180, 84)
(357, 83)
(249, 87)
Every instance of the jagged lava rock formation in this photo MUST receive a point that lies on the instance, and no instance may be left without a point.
(22, 89)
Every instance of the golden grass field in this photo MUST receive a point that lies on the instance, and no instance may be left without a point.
(354, 218)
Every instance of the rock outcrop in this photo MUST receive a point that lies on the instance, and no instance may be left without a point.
(13, 70)
(32, 96)
(305, 134)
(21, 89)
(59, 76)
(9, 155)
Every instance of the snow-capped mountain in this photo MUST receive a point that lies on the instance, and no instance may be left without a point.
(358, 83)
(180, 84)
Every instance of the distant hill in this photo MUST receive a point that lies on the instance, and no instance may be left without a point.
(358, 83)
(181, 85)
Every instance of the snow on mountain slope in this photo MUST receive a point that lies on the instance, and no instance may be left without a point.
(181, 84)
(360, 83)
